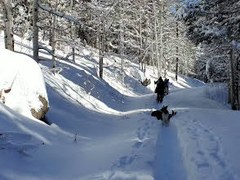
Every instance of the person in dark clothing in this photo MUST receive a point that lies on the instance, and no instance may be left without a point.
(160, 80)
(160, 89)
(166, 87)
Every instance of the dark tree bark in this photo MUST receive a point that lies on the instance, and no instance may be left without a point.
(35, 31)
(8, 24)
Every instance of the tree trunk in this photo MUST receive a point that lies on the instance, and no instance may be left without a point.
(161, 41)
(72, 31)
(234, 81)
(8, 23)
(35, 31)
(141, 44)
(101, 50)
(73, 37)
(156, 40)
(53, 42)
(121, 39)
(100, 63)
(53, 36)
(73, 54)
(177, 59)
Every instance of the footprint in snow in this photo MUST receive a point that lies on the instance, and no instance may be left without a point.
(208, 157)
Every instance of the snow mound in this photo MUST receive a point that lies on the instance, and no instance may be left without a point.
(22, 84)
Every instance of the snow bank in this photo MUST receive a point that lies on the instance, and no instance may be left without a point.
(22, 77)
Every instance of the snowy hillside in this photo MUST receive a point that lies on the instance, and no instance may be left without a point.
(102, 129)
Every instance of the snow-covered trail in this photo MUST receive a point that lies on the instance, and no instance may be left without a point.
(143, 149)
(201, 150)
(168, 161)
(191, 147)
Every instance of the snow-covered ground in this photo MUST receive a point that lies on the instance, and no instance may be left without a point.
(22, 78)
(102, 129)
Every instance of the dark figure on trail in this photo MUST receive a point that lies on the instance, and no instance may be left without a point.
(159, 89)
(166, 89)
(159, 80)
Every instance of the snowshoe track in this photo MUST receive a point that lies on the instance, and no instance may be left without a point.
(206, 162)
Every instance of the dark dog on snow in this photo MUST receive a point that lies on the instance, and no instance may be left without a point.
(163, 115)
(146, 82)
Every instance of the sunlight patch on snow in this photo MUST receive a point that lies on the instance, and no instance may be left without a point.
(131, 175)
(120, 175)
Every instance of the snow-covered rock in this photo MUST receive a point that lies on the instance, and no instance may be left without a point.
(22, 85)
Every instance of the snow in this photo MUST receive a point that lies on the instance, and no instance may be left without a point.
(102, 129)
(23, 76)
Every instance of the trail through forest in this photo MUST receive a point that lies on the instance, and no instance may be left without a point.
(188, 148)
(103, 129)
